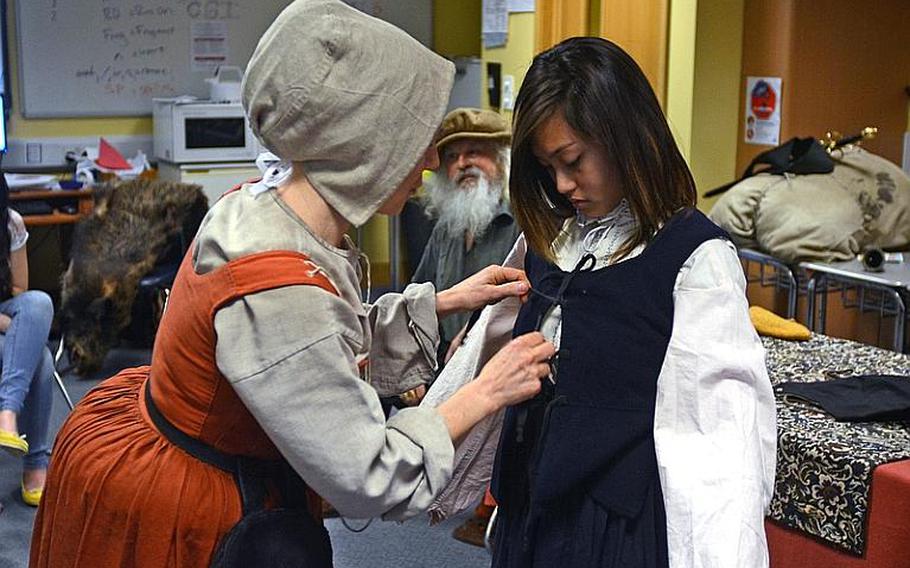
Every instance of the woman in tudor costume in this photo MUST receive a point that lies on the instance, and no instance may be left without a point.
(267, 350)
(653, 442)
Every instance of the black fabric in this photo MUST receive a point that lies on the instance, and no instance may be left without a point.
(286, 537)
(796, 156)
(278, 538)
(861, 398)
(576, 472)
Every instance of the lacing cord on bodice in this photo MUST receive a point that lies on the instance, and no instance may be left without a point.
(584, 264)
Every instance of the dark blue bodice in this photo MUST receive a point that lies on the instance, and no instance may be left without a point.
(591, 435)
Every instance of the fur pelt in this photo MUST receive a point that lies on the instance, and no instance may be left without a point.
(133, 224)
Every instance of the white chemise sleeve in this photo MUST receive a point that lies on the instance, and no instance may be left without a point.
(715, 424)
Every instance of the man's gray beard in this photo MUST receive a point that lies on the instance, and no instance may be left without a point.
(459, 210)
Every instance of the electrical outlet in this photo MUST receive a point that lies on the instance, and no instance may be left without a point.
(33, 153)
(508, 92)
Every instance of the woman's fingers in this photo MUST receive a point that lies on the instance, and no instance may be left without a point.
(520, 366)
(504, 282)
(540, 352)
(501, 291)
(544, 351)
(514, 277)
(536, 340)
(503, 274)
(488, 286)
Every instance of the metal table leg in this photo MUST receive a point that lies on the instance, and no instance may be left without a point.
(823, 302)
(791, 296)
(810, 303)
(900, 320)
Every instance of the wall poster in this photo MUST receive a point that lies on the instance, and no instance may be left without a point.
(763, 102)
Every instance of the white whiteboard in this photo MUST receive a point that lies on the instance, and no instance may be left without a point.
(111, 57)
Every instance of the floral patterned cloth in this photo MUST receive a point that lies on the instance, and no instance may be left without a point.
(824, 467)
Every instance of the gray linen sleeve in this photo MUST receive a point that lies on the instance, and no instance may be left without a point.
(290, 356)
(405, 339)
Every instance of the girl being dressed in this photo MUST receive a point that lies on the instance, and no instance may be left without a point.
(653, 442)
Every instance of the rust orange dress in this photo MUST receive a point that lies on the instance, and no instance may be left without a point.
(118, 493)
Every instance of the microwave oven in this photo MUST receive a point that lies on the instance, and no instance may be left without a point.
(192, 131)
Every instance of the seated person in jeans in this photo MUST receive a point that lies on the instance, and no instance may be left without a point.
(27, 366)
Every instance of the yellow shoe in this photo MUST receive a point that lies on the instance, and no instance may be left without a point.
(32, 496)
(13, 443)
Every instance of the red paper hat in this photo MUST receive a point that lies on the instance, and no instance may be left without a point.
(110, 158)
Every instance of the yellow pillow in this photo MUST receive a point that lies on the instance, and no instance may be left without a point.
(772, 325)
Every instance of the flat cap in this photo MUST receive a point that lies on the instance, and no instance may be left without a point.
(476, 123)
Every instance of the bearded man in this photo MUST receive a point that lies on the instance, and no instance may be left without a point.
(467, 196)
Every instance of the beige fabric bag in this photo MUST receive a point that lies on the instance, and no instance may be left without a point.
(864, 202)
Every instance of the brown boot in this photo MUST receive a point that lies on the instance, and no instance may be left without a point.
(472, 531)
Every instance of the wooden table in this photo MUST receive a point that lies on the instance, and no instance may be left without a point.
(83, 199)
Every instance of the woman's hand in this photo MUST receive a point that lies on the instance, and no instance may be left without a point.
(488, 286)
(513, 375)
(509, 377)
(5, 322)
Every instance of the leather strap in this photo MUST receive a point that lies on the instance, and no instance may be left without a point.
(249, 473)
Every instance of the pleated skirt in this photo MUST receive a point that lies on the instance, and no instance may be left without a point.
(119, 494)
(579, 532)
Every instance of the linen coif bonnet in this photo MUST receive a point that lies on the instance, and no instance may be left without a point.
(356, 100)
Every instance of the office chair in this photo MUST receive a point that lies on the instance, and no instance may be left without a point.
(154, 289)
(152, 294)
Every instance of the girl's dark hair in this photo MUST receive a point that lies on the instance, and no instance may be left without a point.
(607, 100)
(6, 274)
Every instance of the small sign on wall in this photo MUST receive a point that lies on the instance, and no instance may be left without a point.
(521, 5)
(763, 102)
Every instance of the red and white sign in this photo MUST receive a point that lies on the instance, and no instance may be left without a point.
(763, 102)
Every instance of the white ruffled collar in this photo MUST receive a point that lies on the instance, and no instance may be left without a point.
(601, 236)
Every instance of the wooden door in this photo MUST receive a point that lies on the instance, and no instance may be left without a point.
(561, 19)
(640, 27)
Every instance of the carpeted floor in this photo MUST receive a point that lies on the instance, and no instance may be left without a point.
(381, 545)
